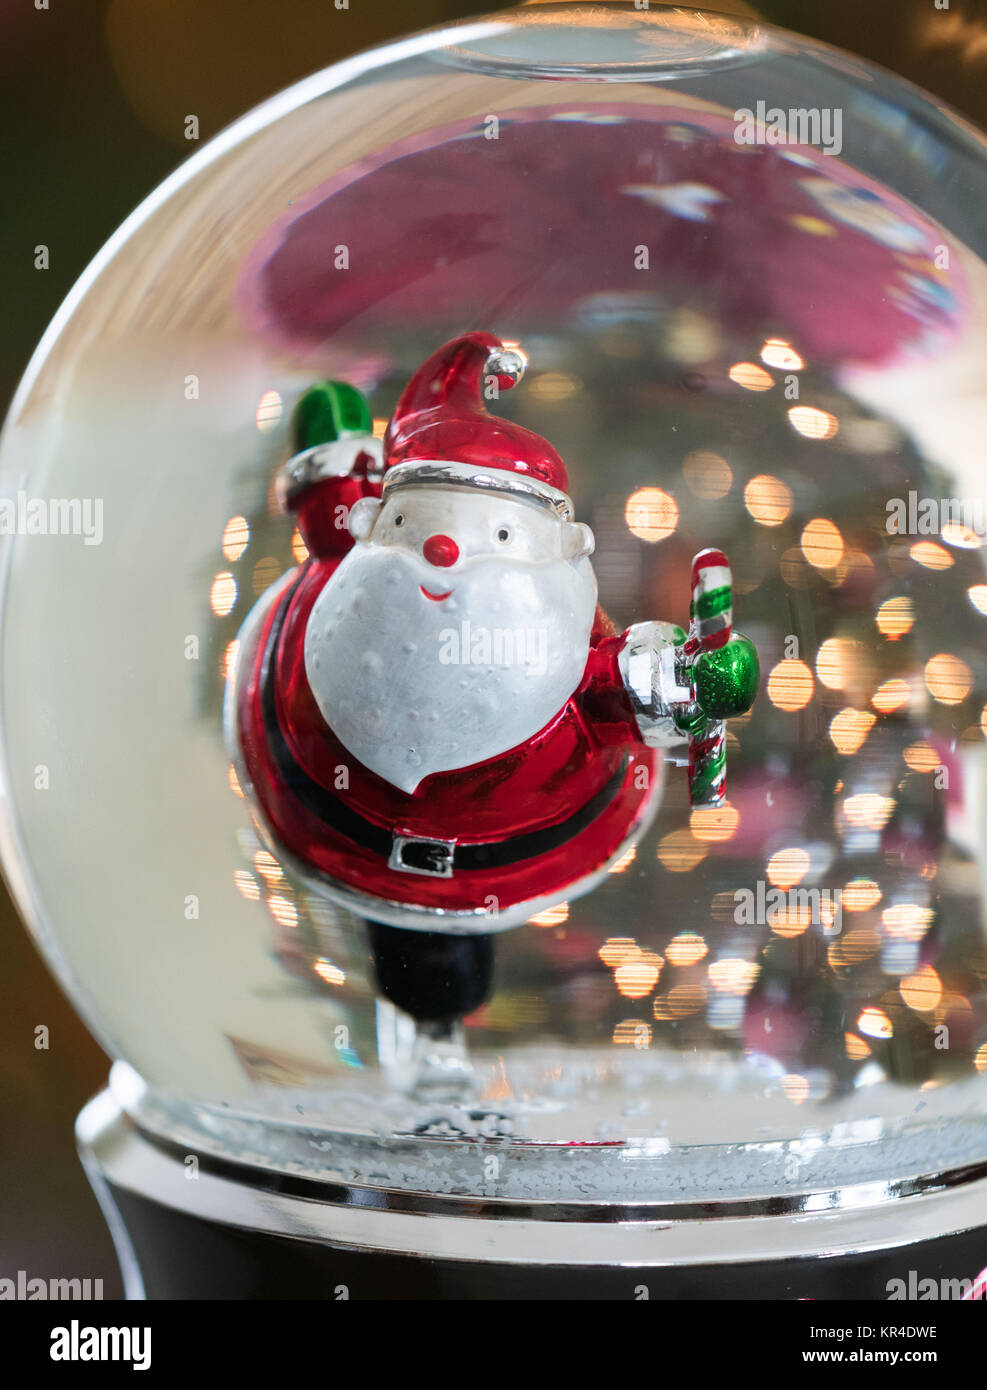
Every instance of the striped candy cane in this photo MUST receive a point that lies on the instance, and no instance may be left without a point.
(711, 613)
(710, 625)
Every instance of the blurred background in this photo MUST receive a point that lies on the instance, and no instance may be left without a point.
(94, 101)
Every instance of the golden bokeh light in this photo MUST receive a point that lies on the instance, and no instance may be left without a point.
(868, 810)
(551, 917)
(234, 781)
(856, 1049)
(835, 662)
(786, 867)
(707, 475)
(813, 226)
(923, 990)
(874, 1023)
(632, 1032)
(812, 423)
(723, 908)
(893, 694)
(688, 948)
(850, 728)
(638, 975)
(680, 1001)
(948, 679)
(790, 685)
(822, 544)
(222, 594)
(554, 387)
(680, 851)
(860, 895)
(247, 885)
(617, 949)
(895, 617)
(963, 537)
(688, 337)
(733, 974)
(768, 499)
(268, 867)
(853, 947)
(791, 920)
(751, 377)
(236, 537)
(980, 1057)
(922, 757)
(651, 514)
(907, 921)
(329, 972)
(781, 355)
(931, 556)
(299, 549)
(714, 824)
(283, 910)
(795, 1087)
(270, 408)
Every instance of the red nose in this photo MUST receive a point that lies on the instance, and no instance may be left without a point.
(441, 550)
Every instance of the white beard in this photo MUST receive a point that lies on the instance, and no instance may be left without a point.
(390, 675)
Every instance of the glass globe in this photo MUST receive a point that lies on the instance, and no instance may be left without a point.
(747, 273)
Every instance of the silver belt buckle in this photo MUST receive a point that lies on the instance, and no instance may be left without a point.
(410, 854)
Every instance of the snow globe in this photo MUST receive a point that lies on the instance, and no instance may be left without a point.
(486, 742)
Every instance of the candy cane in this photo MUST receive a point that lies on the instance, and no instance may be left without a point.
(711, 613)
(710, 625)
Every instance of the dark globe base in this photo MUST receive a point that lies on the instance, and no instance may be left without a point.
(239, 1233)
(185, 1257)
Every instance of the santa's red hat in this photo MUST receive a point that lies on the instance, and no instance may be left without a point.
(442, 431)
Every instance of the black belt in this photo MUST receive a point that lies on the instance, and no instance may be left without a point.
(410, 853)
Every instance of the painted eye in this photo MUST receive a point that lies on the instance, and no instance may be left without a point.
(399, 519)
(503, 535)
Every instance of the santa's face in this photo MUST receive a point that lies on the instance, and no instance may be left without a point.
(455, 629)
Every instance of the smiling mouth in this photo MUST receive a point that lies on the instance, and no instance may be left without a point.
(436, 598)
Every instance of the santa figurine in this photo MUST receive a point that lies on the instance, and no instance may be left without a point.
(438, 726)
